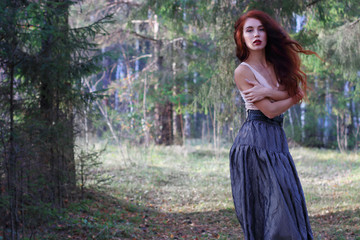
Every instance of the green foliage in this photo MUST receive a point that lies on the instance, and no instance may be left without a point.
(334, 28)
(88, 166)
(190, 43)
(43, 61)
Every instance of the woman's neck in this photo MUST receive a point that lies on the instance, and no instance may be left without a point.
(257, 58)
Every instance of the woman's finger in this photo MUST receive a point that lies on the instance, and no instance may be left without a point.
(252, 82)
(248, 90)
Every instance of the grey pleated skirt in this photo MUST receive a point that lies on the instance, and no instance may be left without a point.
(267, 193)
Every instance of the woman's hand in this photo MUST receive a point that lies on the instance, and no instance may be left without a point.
(256, 93)
(298, 96)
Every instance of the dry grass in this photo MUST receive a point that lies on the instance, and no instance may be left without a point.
(190, 187)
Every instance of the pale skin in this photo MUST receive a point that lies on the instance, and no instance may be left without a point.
(270, 101)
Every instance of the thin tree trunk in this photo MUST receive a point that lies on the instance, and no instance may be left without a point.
(167, 136)
(338, 135)
(145, 123)
(214, 129)
(203, 128)
(218, 139)
(291, 124)
(183, 130)
(158, 60)
(178, 126)
(12, 172)
(356, 136)
(157, 123)
(328, 106)
(303, 111)
(177, 116)
(208, 122)
(356, 125)
(341, 132)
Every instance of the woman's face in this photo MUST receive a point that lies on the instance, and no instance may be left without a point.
(254, 34)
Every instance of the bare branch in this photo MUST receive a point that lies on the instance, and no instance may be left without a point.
(140, 57)
(176, 40)
(127, 2)
(143, 36)
(354, 22)
(122, 31)
(98, 81)
(313, 3)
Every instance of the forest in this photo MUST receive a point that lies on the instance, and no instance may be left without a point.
(117, 117)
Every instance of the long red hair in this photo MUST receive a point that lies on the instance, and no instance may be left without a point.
(280, 50)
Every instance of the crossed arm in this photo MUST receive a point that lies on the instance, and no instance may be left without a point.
(271, 102)
(259, 92)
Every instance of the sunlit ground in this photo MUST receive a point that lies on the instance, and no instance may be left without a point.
(183, 192)
(191, 184)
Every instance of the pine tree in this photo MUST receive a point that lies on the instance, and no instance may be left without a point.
(43, 61)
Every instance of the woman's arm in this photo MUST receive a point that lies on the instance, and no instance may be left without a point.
(273, 109)
(270, 109)
(258, 92)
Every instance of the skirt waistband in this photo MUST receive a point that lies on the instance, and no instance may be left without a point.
(258, 115)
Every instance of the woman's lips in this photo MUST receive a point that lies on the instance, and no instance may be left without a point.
(257, 42)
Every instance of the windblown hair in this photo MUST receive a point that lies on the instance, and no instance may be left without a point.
(280, 50)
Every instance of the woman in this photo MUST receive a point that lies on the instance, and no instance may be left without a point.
(267, 193)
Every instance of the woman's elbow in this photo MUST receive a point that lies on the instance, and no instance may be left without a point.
(270, 115)
(270, 111)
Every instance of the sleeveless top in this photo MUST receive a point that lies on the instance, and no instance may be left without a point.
(262, 81)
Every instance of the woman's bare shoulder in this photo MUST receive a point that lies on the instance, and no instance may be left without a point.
(243, 72)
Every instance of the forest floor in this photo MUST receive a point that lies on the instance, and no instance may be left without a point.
(184, 193)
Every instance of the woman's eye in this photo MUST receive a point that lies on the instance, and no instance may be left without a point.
(262, 29)
(249, 30)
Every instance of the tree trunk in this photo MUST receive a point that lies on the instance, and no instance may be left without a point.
(177, 119)
(157, 120)
(355, 124)
(186, 126)
(203, 128)
(214, 128)
(342, 122)
(56, 115)
(145, 123)
(291, 124)
(302, 118)
(12, 165)
(158, 107)
(177, 127)
(167, 136)
(340, 130)
(328, 106)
